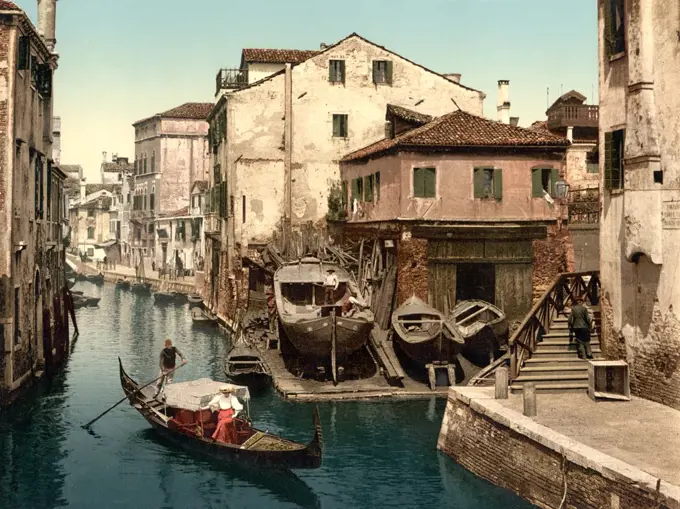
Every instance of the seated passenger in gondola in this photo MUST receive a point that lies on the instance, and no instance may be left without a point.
(227, 407)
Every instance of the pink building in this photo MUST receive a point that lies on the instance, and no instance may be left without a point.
(464, 197)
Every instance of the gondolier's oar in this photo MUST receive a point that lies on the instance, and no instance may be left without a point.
(85, 426)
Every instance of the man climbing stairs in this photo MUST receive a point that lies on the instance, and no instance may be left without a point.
(555, 366)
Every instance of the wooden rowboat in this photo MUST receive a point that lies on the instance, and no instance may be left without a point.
(139, 287)
(97, 279)
(180, 417)
(203, 317)
(123, 284)
(484, 328)
(195, 298)
(421, 333)
(244, 365)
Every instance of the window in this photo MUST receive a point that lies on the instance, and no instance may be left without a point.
(217, 174)
(49, 191)
(136, 173)
(340, 126)
(377, 186)
(369, 182)
(543, 181)
(150, 228)
(614, 27)
(152, 198)
(382, 71)
(488, 183)
(424, 183)
(344, 194)
(144, 199)
(153, 161)
(357, 189)
(24, 52)
(613, 159)
(144, 172)
(44, 80)
(336, 71)
(17, 316)
(90, 232)
(90, 213)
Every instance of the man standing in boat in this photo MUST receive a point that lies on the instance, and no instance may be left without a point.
(168, 360)
(330, 285)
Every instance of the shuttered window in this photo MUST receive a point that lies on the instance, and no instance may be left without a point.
(369, 183)
(382, 71)
(377, 186)
(336, 71)
(340, 129)
(488, 183)
(613, 159)
(614, 27)
(153, 161)
(24, 52)
(344, 194)
(357, 189)
(543, 181)
(424, 183)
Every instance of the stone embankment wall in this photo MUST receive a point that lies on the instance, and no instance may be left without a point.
(535, 462)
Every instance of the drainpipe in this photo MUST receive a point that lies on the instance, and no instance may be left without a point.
(288, 149)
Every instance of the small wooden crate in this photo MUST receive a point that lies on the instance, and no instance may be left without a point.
(608, 380)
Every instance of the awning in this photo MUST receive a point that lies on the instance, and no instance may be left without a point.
(106, 244)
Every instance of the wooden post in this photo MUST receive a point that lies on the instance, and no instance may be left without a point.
(529, 396)
(501, 383)
(333, 365)
(513, 362)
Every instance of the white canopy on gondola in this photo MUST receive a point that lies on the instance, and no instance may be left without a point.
(196, 394)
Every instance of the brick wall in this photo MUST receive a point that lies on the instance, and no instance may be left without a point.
(412, 274)
(552, 255)
(512, 461)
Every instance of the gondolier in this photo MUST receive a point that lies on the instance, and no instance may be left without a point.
(168, 359)
(330, 285)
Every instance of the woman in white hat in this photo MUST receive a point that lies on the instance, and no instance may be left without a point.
(229, 407)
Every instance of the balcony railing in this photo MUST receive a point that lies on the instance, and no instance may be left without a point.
(584, 206)
(213, 223)
(231, 79)
(574, 115)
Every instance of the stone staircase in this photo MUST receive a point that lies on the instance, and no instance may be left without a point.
(555, 366)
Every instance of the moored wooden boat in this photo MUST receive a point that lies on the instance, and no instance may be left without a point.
(123, 284)
(181, 418)
(244, 365)
(140, 287)
(164, 297)
(421, 333)
(195, 299)
(203, 317)
(483, 326)
(70, 283)
(92, 301)
(97, 279)
(307, 321)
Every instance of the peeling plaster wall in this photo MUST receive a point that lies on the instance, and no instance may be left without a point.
(255, 125)
(259, 71)
(640, 317)
(576, 168)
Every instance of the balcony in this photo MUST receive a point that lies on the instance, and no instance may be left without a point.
(212, 223)
(231, 79)
(574, 115)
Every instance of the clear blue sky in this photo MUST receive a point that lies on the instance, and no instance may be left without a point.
(124, 60)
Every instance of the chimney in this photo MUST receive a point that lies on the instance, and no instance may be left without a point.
(455, 77)
(570, 133)
(323, 46)
(47, 15)
(514, 121)
(82, 190)
(503, 101)
(103, 157)
(388, 130)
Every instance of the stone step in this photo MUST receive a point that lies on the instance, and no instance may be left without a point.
(561, 352)
(553, 388)
(565, 335)
(564, 326)
(553, 341)
(550, 369)
(564, 346)
(559, 361)
(552, 379)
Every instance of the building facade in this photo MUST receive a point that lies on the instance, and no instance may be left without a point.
(462, 198)
(33, 326)
(276, 142)
(640, 168)
(171, 153)
(90, 218)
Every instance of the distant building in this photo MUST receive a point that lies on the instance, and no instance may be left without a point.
(90, 218)
(171, 153)
(640, 171)
(112, 172)
(33, 318)
(56, 140)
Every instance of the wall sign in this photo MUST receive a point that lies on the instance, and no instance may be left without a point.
(670, 215)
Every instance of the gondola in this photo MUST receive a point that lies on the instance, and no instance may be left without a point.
(195, 299)
(123, 284)
(97, 279)
(180, 418)
(244, 365)
(164, 297)
(140, 287)
(81, 301)
(483, 326)
(203, 317)
(422, 334)
(299, 293)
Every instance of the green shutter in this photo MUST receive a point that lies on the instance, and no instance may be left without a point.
(498, 184)
(536, 183)
(375, 71)
(377, 186)
(330, 71)
(608, 12)
(342, 67)
(355, 190)
(360, 188)
(418, 183)
(388, 72)
(478, 182)
(554, 177)
(368, 186)
(430, 184)
(344, 194)
(608, 160)
(24, 52)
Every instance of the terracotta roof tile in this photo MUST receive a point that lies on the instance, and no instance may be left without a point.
(8, 6)
(93, 188)
(184, 211)
(461, 129)
(407, 115)
(276, 56)
(116, 167)
(197, 111)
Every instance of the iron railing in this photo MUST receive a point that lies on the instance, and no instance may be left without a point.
(231, 79)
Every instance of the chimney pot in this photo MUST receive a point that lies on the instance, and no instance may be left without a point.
(454, 76)
(514, 121)
(103, 157)
(570, 133)
(503, 101)
(323, 46)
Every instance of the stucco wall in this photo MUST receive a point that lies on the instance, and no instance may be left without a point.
(256, 122)
(256, 72)
(455, 190)
(642, 298)
(576, 169)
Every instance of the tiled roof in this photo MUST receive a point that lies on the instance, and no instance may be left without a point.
(201, 184)
(8, 6)
(184, 211)
(115, 167)
(276, 56)
(95, 204)
(197, 111)
(461, 129)
(72, 168)
(71, 184)
(407, 115)
(93, 188)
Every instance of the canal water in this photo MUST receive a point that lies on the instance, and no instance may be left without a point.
(380, 454)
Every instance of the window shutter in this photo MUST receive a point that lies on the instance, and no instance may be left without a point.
(418, 183)
(478, 182)
(554, 177)
(336, 125)
(608, 12)
(375, 72)
(430, 183)
(536, 183)
(368, 186)
(388, 72)
(377, 186)
(331, 74)
(342, 71)
(24, 51)
(608, 160)
(498, 184)
(344, 194)
(360, 188)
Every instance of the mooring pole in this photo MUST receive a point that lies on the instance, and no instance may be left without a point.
(333, 352)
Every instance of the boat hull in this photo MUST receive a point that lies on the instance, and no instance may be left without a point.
(429, 349)
(313, 338)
